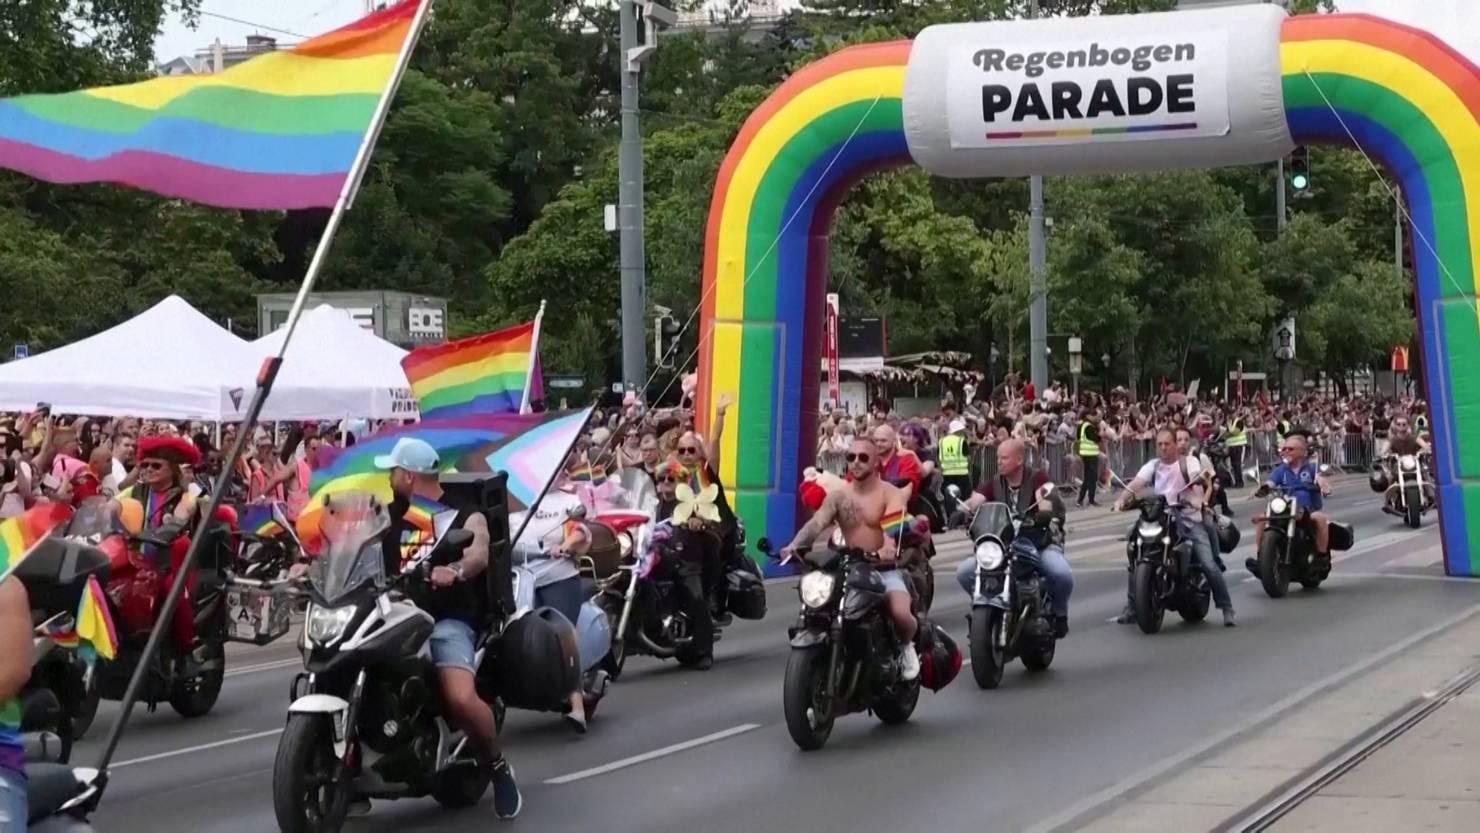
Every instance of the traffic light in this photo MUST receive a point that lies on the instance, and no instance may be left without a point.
(665, 340)
(1300, 169)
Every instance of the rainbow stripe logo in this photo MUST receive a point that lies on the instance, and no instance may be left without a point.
(1397, 92)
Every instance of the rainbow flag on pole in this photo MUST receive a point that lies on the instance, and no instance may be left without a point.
(280, 131)
(494, 373)
(529, 447)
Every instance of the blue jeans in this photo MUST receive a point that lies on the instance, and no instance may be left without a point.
(13, 811)
(1202, 549)
(1052, 565)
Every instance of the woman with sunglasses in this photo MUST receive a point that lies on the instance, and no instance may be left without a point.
(701, 464)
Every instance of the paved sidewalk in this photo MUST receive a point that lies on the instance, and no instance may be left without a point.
(1428, 779)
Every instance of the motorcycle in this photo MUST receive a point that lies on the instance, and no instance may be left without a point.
(266, 557)
(1407, 492)
(365, 719)
(1009, 616)
(1165, 574)
(844, 648)
(649, 580)
(55, 573)
(189, 669)
(1288, 547)
(60, 700)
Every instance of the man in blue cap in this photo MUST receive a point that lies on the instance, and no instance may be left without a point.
(414, 466)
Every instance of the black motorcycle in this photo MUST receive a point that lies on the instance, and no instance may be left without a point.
(1287, 550)
(844, 648)
(1165, 575)
(365, 719)
(60, 700)
(1009, 616)
(55, 574)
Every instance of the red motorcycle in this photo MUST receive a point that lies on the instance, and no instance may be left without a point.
(191, 665)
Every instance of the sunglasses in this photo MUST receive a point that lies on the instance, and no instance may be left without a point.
(153, 465)
(858, 458)
(668, 480)
(688, 449)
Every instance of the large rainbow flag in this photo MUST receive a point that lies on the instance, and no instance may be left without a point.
(484, 374)
(279, 131)
(529, 447)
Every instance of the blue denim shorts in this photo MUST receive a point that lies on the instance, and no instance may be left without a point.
(454, 644)
(12, 800)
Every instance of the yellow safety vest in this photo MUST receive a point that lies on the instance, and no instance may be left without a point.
(1237, 438)
(1087, 446)
(953, 462)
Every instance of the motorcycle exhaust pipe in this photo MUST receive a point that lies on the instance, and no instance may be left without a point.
(42, 747)
(652, 647)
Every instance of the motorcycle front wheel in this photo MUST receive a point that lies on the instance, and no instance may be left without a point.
(1413, 507)
(988, 653)
(1274, 576)
(805, 700)
(307, 795)
(1150, 609)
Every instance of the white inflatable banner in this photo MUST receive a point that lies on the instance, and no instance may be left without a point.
(1147, 92)
(1105, 89)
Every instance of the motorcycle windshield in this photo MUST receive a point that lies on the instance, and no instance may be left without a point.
(352, 526)
(991, 519)
(93, 520)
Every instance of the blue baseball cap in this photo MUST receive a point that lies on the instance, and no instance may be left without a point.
(413, 455)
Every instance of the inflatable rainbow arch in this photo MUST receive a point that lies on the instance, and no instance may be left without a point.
(1406, 98)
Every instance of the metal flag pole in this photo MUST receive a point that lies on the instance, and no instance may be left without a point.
(265, 378)
(534, 358)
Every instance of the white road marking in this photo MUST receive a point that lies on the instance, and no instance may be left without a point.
(1405, 577)
(1364, 547)
(201, 748)
(1221, 739)
(653, 755)
(264, 666)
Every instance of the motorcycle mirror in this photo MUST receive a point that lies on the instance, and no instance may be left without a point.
(1251, 473)
(131, 515)
(1325, 468)
(1046, 491)
(954, 491)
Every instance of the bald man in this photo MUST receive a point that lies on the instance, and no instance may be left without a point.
(1018, 485)
(896, 465)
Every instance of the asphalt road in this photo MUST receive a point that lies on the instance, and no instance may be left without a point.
(677, 750)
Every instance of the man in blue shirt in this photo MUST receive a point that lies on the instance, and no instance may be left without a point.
(1304, 481)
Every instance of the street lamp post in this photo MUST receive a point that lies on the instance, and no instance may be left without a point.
(1076, 364)
(1105, 372)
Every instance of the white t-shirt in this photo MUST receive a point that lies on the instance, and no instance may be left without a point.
(1166, 479)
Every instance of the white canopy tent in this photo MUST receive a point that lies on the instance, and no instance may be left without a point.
(336, 369)
(168, 362)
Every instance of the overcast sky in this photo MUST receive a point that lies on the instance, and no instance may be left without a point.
(1458, 20)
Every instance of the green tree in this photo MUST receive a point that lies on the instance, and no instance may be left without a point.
(1357, 320)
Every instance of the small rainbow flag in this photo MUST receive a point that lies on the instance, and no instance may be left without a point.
(894, 523)
(20, 534)
(280, 131)
(258, 520)
(485, 374)
(92, 634)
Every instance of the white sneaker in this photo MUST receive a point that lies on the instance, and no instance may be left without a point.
(909, 663)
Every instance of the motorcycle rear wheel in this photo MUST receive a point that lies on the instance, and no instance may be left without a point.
(987, 653)
(1196, 609)
(893, 711)
(1040, 656)
(461, 786)
(306, 795)
(1274, 577)
(804, 691)
(1150, 609)
(87, 710)
(196, 696)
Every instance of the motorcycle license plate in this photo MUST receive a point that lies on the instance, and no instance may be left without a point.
(256, 615)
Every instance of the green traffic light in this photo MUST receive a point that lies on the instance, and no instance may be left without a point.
(1300, 182)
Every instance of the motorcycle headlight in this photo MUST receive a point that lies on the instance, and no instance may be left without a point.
(989, 555)
(1279, 506)
(1146, 530)
(327, 624)
(1408, 462)
(624, 544)
(817, 589)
